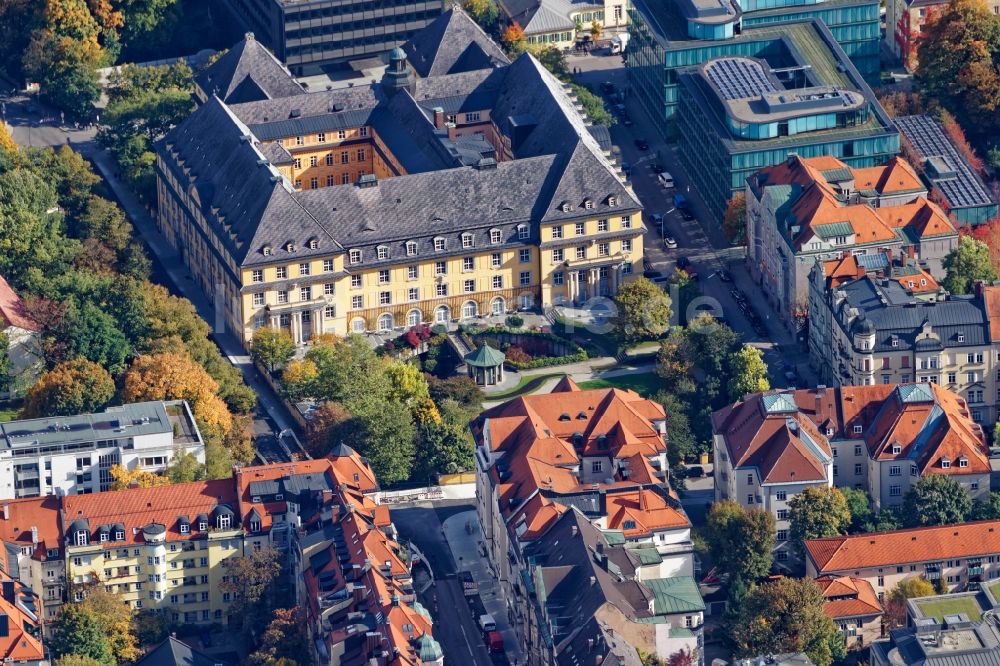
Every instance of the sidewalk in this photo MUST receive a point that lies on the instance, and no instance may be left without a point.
(183, 282)
(465, 548)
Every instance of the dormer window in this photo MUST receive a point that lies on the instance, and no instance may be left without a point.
(255, 500)
(81, 538)
(103, 536)
(612, 200)
(255, 525)
(439, 244)
(923, 281)
(896, 449)
(354, 256)
(829, 432)
(266, 250)
(628, 525)
(566, 207)
(411, 248)
(202, 526)
(495, 236)
(382, 252)
(185, 528)
(468, 240)
(961, 337)
(119, 536)
(313, 244)
(523, 232)
(945, 463)
(910, 284)
(588, 204)
(858, 429)
(289, 247)
(963, 462)
(224, 521)
(894, 342)
(279, 497)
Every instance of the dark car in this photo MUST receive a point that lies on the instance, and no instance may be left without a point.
(683, 262)
(725, 276)
(657, 168)
(607, 87)
(641, 144)
(652, 273)
(626, 120)
(695, 471)
(687, 214)
(626, 168)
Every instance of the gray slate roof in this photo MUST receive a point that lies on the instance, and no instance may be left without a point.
(452, 43)
(140, 418)
(248, 72)
(172, 652)
(557, 160)
(894, 313)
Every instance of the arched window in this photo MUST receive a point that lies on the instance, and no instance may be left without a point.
(413, 318)
(357, 325)
(385, 322)
(442, 315)
(498, 306)
(469, 310)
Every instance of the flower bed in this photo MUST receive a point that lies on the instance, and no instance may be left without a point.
(530, 349)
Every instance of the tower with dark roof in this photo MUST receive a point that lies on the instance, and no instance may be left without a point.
(398, 76)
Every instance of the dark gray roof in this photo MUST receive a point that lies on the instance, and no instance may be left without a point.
(450, 44)
(139, 418)
(978, 645)
(172, 652)
(247, 72)
(894, 313)
(557, 162)
(946, 168)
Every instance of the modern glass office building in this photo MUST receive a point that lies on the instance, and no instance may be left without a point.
(794, 92)
(667, 35)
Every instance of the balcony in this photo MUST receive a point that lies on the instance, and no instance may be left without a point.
(975, 570)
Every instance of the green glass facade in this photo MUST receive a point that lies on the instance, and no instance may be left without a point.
(660, 43)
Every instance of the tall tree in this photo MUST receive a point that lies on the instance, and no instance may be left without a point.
(817, 512)
(75, 387)
(643, 311)
(936, 499)
(114, 617)
(987, 508)
(122, 478)
(272, 348)
(734, 222)
(283, 639)
(77, 632)
(6, 366)
(513, 39)
(741, 541)
(786, 616)
(969, 261)
(255, 585)
(909, 588)
(484, 12)
(747, 373)
(859, 505)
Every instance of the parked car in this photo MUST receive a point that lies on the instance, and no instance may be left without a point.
(607, 87)
(627, 120)
(652, 274)
(725, 275)
(670, 242)
(486, 623)
(686, 214)
(641, 144)
(683, 262)
(657, 167)
(665, 180)
(495, 640)
(695, 471)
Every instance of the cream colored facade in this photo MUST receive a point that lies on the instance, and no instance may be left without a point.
(182, 577)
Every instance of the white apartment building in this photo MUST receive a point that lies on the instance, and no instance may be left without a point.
(69, 455)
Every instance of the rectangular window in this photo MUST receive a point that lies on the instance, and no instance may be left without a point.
(496, 260)
(258, 300)
(441, 289)
(858, 470)
(357, 302)
(498, 282)
(558, 278)
(895, 491)
(281, 272)
(524, 255)
(329, 289)
(557, 233)
(525, 278)
(257, 276)
(413, 294)
(603, 249)
(412, 272)
(469, 286)
(440, 268)
(383, 276)
(558, 256)
(782, 514)
(626, 221)
(580, 229)
(282, 296)
(627, 245)
(304, 269)
(361, 154)
(468, 263)
(385, 298)
(355, 282)
(312, 161)
(781, 495)
(581, 252)
(329, 159)
(602, 225)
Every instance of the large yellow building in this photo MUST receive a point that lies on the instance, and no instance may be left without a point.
(408, 201)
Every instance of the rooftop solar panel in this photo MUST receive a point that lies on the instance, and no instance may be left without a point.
(739, 78)
(963, 189)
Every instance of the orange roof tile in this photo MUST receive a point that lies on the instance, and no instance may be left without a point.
(18, 645)
(848, 597)
(991, 298)
(21, 515)
(644, 510)
(920, 544)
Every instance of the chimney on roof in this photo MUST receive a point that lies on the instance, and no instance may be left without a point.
(642, 500)
(593, 580)
(438, 117)
(34, 534)
(574, 530)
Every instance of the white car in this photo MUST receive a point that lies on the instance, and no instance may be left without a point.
(670, 242)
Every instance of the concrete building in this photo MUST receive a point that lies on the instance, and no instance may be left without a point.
(669, 35)
(875, 330)
(74, 454)
(854, 608)
(312, 213)
(23, 343)
(904, 23)
(881, 439)
(308, 36)
(966, 556)
(950, 175)
(806, 210)
(600, 453)
(560, 23)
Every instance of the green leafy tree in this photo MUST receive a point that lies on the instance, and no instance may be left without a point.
(888, 519)
(987, 508)
(184, 468)
(552, 59)
(484, 12)
(734, 222)
(442, 449)
(968, 262)
(747, 373)
(680, 439)
(147, 22)
(936, 499)
(94, 335)
(75, 387)
(909, 588)
(77, 660)
(384, 433)
(6, 367)
(593, 105)
(256, 585)
(741, 541)
(78, 632)
(817, 512)
(272, 348)
(150, 627)
(859, 505)
(785, 616)
(643, 311)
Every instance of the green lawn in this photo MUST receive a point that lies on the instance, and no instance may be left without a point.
(995, 589)
(7, 415)
(938, 609)
(645, 384)
(527, 384)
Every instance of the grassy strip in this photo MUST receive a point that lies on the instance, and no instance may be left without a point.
(645, 384)
(526, 385)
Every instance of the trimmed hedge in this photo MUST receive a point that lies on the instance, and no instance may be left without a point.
(505, 338)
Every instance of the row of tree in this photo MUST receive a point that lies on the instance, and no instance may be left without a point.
(408, 425)
(107, 332)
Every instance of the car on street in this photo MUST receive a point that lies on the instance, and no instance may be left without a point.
(665, 180)
(627, 120)
(695, 471)
(607, 87)
(495, 640)
(683, 262)
(670, 242)
(686, 214)
(657, 168)
(656, 219)
(641, 144)
(651, 274)
(725, 275)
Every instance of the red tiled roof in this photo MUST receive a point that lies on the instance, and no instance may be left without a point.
(991, 298)
(645, 508)
(919, 544)
(17, 645)
(848, 597)
(21, 515)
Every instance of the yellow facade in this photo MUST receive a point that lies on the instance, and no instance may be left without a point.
(180, 577)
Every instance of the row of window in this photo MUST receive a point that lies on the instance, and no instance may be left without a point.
(580, 252)
(411, 248)
(580, 228)
(440, 290)
(321, 137)
(344, 158)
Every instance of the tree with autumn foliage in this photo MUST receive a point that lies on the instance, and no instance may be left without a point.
(283, 639)
(910, 588)
(987, 233)
(513, 39)
(122, 478)
(256, 584)
(98, 627)
(957, 53)
(734, 222)
(968, 262)
(78, 386)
